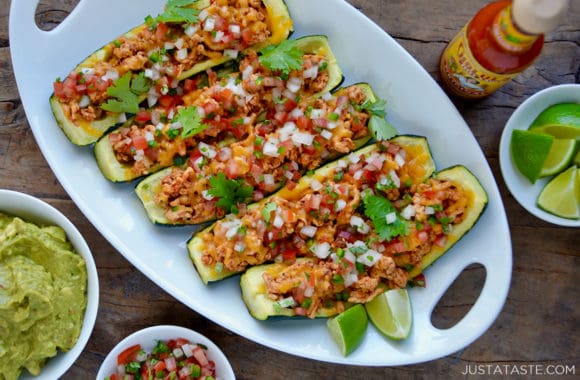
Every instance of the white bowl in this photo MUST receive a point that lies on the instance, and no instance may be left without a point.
(148, 338)
(34, 210)
(520, 187)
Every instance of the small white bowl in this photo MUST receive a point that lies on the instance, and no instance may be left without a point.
(34, 210)
(148, 338)
(523, 191)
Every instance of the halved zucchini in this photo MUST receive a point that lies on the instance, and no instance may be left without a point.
(262, 307)
(477, 202)
(116, 171)
(421, 167)
(150, 185)
(86, 133)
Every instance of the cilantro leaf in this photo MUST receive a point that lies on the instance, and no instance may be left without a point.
(229, 192)
(381, 129)
(124, 100)
(190, 121)
(377, 208)
(267, 210)
(179, 11)
(140, 84)
(284, 57)
(376, 107)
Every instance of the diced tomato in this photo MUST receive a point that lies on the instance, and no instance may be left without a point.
(233, 169)
(423, 236)
(298, 293)
(289, 105)
(289, 254)
(288, 216)
(440, 241)
(303, 123)
(199, 355)
(140, 142)
(264, 128)
(300, 311)
(247, 36)
(281, 117)
(189, 85)
(161, 31)
(220, 23)
(143, 116)
(128, 355)
(291, 185)
(209, 107)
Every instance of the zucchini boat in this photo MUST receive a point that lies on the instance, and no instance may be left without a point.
(229, 102)
(149, 60)
(324, 287)
(379, 165)
(218, 180)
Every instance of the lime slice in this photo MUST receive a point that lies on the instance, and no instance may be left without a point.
(559, 131)
(529, 152)
(348, 328)
(561, 154)
(560, 195)
(558, 114)
(391, 313)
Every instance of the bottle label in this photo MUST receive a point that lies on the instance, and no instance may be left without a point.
(507, 34)
(464, 75)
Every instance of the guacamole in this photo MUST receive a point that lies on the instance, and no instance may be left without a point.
(43, 295)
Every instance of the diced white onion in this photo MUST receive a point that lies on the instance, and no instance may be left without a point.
(122, 117)
(181, 54)
(235, 29)
(399, 160)
(309, 231)
(203, 14)
(278, 222)
(302, 138)
(408, 212)
(218, 36)
(177, 352)
(231, 53)
(339, 205)
(395, 178)
(206, 195)
(84, 101)
(87, 70)
(331, 125)
(316, 113)
(309, 291)
(247, 72)
(327, 96)
(350, 279)
(369, 258)
(341, 164)
(179, 43)
(294, 84)
(190, 30)
(356, 221)
(391, 217)
(269, 179)
(239, 246)
(322, 250)
(349, 256)
(152, 99)
(296, 113)
(358, 175)
(111, 74)
(149, 136)
(271, 148)
(354, 158)
(429, 210)
(207, 150)
(326, 134)
(287, 302)
(286, 131)
(310, 73)
(188, 349)
(315, 184)
(209, 24)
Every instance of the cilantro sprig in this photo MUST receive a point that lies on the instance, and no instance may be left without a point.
(283, 57)
(124, 93)
(190, 121)
(380, 128)
(229, 192)
(377, 208)
(176, 11)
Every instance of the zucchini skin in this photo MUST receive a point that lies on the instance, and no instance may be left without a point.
(147, 187)
(423, 156)
(86, 133)
(115, 171)
(254, 290)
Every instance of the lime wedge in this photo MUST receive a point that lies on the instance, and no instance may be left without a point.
(391, 313)
(558, 114)
(559, 131)
(577, 159)
(561, 154)
(348, 328)
(529, 152)
(561, 195)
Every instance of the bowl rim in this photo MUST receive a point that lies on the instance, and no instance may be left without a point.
(149, 335)
(35, 210)
(520, 188)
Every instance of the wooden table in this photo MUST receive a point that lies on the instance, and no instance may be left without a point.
(540, 321)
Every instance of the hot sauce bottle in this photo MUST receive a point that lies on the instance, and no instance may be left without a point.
(499, 42)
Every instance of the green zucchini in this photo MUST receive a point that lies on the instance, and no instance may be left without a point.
(115, 171)
(150, 185)
(262, 307)
(422, 167)
(85, 133)
(477, 202)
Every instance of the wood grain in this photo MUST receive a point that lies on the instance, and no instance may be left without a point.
(540, 321)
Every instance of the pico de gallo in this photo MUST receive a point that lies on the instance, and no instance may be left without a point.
(172, 359)
(149, 61)
(209, 109)
(295, 137)
(367, 223)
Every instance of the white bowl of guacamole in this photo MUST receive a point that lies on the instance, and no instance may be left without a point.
(49, 289)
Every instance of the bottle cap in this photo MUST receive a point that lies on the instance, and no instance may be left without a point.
(538, 16)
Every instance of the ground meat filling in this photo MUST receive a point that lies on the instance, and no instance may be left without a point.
(230, 106)
(277, 151)
(328, 223)
(163, 51)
